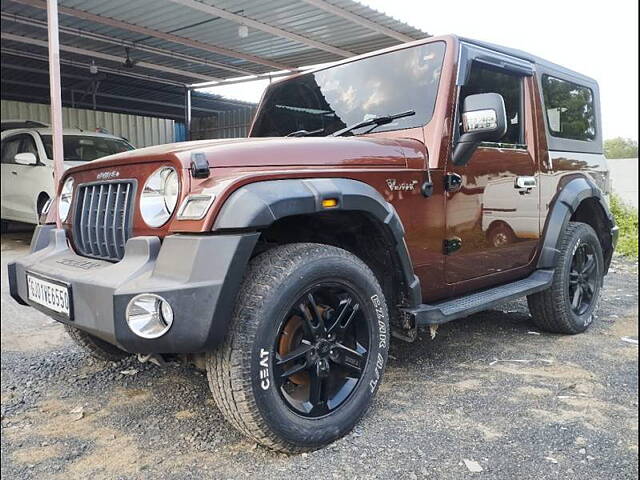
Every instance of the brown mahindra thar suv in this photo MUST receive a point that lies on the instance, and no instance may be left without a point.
(392, 191)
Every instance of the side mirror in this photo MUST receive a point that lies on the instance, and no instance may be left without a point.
(484, 119)
(26, 158)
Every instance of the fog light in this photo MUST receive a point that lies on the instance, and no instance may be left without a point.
(149, 315)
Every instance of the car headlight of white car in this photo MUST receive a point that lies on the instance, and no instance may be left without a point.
(159, 196)
(66, 197)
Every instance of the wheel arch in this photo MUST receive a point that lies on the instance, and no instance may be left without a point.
(276, 207)
(579, 200)
(41, 199)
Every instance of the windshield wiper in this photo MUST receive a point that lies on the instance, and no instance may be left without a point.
(374, 122)
(305, 133)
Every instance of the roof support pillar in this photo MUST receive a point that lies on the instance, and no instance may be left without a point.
(56, 96)
(187, 113)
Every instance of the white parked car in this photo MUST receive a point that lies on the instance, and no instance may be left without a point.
(27, 166)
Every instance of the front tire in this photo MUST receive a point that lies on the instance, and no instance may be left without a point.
(568, 306)
(305, 350)
(94, 346)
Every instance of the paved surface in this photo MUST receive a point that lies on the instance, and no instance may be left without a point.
(490, 389)
(624, 179)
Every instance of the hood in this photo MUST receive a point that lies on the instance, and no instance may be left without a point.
(275, 152)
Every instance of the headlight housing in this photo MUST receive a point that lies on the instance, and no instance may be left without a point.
(66, 197)
(159, 196)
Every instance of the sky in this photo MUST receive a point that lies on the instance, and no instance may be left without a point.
(596, 38)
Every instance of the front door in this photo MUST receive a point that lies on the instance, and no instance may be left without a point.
(492, 208)
(21, 184)
(10, 186)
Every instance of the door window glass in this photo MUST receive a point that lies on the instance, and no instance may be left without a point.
(28, 145)
(10, 147)
(487, 80)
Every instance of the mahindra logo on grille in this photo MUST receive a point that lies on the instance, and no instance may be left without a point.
(108, 175)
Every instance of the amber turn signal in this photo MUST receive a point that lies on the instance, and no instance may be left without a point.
(330, 203)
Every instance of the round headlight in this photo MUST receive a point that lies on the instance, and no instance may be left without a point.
(66, 196)
(159, 196)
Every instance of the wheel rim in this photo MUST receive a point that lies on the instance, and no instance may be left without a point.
(322, 350)
(500, 239)
(583, 279)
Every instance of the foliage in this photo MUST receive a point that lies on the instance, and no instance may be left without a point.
(627, 220)
(574, 105)
(620, 147)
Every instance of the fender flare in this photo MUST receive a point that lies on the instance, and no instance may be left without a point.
(258, 205)
(562, 209)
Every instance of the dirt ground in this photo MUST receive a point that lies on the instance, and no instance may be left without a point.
(489, 389)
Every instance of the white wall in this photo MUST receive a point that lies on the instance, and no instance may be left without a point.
(140, 131)
(624, 179)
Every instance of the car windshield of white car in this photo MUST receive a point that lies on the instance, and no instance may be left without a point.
(85, 148)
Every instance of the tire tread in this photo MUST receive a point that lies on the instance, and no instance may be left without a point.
(228, 367)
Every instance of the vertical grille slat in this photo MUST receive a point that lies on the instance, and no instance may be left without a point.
(102, 223)
(105, 221)
(113, 223)
(83, 212)
(97, 225)
(123, 237)
(92, 198)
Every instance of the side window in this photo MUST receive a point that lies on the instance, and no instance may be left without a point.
(10, 146)
(487, 80)
(28, 145)
(569, 109)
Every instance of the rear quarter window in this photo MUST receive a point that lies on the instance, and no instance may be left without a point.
(569, 109)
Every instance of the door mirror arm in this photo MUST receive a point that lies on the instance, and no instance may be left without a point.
(484, 119)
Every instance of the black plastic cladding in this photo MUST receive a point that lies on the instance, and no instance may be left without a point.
(258, 205)
(563, 207)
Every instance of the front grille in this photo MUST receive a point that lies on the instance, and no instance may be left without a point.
(102, 222)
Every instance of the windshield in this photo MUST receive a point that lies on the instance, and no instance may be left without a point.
(85, 148)
(340, 96)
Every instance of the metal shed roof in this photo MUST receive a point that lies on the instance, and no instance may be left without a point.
(190, 41)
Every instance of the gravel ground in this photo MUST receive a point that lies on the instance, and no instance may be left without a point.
(488, 389)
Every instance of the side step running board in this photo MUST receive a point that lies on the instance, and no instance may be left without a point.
(443, 312)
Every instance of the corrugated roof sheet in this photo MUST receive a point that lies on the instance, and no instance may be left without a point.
(176, 59)
(166, 16)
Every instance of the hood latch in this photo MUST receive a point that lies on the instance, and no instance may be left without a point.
(199, 165)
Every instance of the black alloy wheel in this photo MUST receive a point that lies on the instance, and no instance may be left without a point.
(322, 350)
(306, 348)
(583, 278)
(569, 304)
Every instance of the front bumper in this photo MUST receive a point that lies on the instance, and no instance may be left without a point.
(199, 275)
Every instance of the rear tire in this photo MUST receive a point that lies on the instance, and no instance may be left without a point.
(248, 374)
(568, 306)
(94, 346)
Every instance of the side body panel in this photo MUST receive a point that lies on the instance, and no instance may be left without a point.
(497, 223)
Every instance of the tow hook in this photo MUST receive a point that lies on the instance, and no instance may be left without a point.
(152, 358)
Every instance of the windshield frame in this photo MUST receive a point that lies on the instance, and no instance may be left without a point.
(437, 87)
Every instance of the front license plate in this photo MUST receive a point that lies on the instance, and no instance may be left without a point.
(51, 295)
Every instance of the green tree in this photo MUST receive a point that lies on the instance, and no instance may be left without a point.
(620, 148)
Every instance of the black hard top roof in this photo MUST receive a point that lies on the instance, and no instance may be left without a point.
(531, 58)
